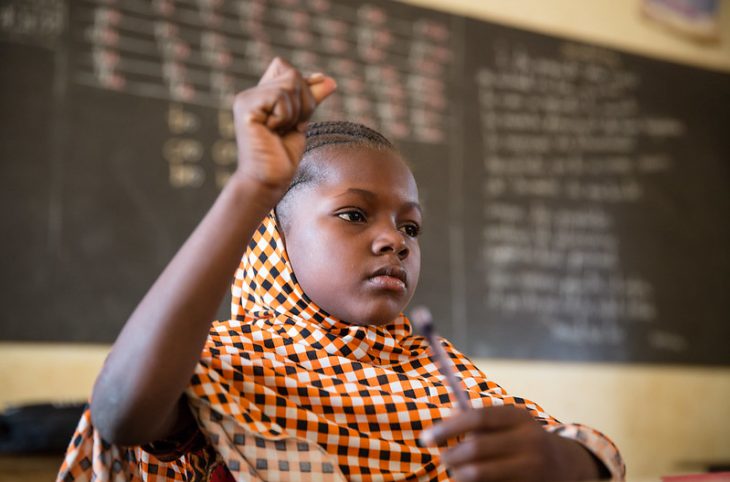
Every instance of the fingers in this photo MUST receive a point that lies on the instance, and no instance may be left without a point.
(488, 419)
(497, 443)
(515, 468)
(285, 113)
(263, 105)
(321, 86)
(481, 447)
(275, 69)
(289, 99)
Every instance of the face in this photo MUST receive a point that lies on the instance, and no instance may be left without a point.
(352, 236)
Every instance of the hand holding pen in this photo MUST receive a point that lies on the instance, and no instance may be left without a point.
(498, 442)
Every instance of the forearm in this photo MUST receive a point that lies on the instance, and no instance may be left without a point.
(152, 360)
(135, 397)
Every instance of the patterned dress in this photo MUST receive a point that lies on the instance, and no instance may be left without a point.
(283, 391)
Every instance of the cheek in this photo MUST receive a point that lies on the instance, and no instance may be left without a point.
(316, 261)
(414, 266)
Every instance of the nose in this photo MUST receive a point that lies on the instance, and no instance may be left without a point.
(390, 239)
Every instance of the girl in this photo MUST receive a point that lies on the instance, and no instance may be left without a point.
(316, 376)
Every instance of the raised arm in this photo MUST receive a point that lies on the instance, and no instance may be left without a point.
(135, 397)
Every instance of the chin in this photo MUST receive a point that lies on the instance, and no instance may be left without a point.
(379, 318)
(371, 312)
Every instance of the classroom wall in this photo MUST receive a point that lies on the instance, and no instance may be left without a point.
(611, 23)
(666, 419)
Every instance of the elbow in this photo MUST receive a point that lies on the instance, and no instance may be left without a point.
(137, 422)
(118, 426)
(129, 412)
(112, 428)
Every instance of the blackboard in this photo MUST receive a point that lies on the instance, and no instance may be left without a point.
(576, 197)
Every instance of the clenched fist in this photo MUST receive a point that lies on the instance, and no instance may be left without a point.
(270, 121)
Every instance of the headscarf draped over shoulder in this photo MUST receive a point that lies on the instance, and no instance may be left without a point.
(284, 391)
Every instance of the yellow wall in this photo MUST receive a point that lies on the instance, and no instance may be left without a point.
(665, 419)
(611, 23)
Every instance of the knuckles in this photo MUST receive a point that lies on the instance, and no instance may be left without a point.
(282, 99)
(284, 94)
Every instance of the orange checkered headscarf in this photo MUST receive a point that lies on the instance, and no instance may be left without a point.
(283, 391)
(284, 370)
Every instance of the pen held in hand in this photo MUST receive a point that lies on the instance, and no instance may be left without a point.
(422, 321)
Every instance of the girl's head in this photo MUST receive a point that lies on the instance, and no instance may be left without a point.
(350, 221)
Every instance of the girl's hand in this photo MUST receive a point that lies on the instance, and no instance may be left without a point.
(270, 121)
(506, 443)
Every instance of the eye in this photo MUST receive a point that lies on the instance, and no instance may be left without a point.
(411, 229)
(352, 216)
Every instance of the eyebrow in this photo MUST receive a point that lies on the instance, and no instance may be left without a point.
(370, 196)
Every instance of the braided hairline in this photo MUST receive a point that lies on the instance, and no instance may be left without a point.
(321, 134)
(328, 133)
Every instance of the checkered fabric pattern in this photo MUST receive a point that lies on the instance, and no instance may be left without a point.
(283, 391)
(90, 458)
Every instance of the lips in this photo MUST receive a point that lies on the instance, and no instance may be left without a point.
(391, 277)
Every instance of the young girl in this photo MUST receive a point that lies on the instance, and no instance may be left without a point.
(316, 376)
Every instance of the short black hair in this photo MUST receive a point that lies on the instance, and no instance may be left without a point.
(320, 134)
(324, 134)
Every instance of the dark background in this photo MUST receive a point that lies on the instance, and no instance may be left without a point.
(89, 218)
